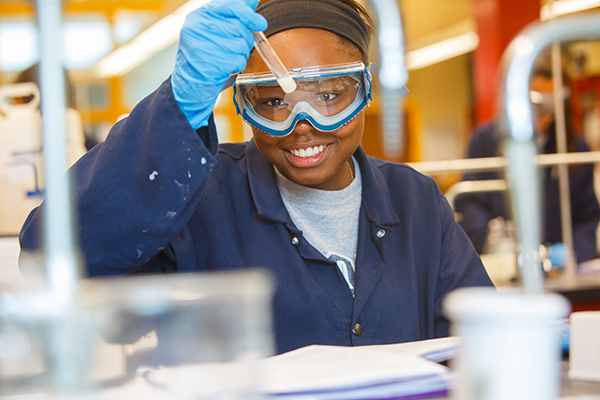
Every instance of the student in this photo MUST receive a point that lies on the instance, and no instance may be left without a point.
(362, 251)
(480, 208)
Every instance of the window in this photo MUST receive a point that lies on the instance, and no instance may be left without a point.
(18, 45)
(85, 41)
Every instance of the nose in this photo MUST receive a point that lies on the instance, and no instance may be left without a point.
(303, 127)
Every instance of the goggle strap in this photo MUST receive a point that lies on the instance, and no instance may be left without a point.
(229, 82)
(374, 69)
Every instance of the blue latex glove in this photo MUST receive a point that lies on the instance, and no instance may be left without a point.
(565, 335)
(557, 254)
(215, 41)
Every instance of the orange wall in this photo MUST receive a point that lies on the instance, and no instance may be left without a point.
(498, 22)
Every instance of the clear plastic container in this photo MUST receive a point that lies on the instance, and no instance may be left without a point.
(511, 343)
(195, 336)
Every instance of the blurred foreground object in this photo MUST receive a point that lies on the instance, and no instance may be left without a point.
(510, 344)
(584, 351)
(208, 318)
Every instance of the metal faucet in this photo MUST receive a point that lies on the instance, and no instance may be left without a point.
(54, 308)
(393, 74)
(62, 269)
(516, 118)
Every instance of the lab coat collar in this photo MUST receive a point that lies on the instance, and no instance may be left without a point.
(263, 186)
(376, 192)
(376, 197)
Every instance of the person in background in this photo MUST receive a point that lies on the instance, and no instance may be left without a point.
(476, 210)
(362, 251)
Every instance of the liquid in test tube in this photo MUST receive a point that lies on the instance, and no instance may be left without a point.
(273, 62)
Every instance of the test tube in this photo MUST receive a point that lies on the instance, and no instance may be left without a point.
(273, 62)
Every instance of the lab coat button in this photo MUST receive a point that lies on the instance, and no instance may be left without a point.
(357, 330)
(380, 233)
(295, 241)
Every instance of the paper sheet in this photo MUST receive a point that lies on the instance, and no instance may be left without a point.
(397, 371)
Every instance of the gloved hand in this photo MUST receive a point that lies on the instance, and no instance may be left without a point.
(215, 41)
(557, 254)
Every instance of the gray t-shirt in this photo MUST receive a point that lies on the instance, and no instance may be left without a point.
(328, 219)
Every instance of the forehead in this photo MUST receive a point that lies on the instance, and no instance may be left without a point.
(305, 47)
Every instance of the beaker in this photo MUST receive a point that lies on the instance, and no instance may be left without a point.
(510, 343)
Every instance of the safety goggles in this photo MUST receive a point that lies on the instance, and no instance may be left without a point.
(327, 96)
(543, 102)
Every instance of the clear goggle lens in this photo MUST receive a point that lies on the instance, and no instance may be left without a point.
(328, 97)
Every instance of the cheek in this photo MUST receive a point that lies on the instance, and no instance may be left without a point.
(353, 132)
(266, 144)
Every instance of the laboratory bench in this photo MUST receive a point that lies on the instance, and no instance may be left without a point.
(582, 289)
(569, 389)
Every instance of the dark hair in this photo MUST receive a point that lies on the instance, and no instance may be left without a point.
(32, 74)
(546, 73)
(363, 15)
(356, 6)
(543, 69)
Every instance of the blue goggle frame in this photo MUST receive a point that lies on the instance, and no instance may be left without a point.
(303, 111)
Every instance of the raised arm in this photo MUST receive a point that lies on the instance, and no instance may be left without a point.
(135, 192)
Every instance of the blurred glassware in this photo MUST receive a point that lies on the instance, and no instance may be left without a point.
(202, 332)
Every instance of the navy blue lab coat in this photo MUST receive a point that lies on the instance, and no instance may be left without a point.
(478, 209)
(157, 196)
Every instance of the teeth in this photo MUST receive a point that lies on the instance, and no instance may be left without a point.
(308, 152)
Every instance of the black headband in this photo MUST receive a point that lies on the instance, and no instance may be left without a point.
(330, 15)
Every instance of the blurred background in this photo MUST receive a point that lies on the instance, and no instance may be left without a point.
(118, 51)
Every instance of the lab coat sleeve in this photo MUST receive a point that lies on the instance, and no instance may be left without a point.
(474, 213)
(135, 192)
(475, 210)
(585, 211)
(460, 266)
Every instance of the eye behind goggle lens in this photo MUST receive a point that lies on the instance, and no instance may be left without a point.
(327, 101)
(328, 98)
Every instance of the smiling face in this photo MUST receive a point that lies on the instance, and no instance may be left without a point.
(308, 156)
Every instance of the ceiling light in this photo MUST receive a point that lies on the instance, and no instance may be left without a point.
(148, 43)
(441, 51)
(562, 7)
(18, 45)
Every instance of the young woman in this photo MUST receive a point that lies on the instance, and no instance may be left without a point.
(362, 251)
